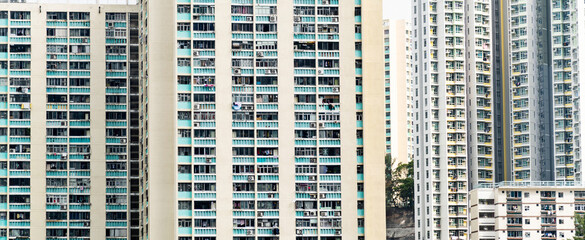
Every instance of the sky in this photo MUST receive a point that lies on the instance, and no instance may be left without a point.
(397, 9)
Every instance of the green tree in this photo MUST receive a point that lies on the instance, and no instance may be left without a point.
(405, 184)
(399, 183)
(579, 227)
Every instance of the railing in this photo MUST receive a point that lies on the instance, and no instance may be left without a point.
(530, 184)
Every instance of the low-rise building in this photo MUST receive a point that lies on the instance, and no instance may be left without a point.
(525, 210)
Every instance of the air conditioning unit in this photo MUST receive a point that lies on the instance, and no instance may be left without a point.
(63, 207)
(237, 71)
(312, 178)
(84, 40)
(313, 160)
(322, 195)
(53, 56)
(12, 150)
(196, 17)
(337, 214)
(123, 140)
(275, 170)
(208, 160)
(196, 53)
(249, 19)
(64, 156)
(306, 214)
(196, 106)
(330, 37)
(299, 232)
(271, 195)
(335, 89)
(260, 214)
(334, 19)
(297, 19)
(64, 123)
(323, 213)
(313, 196)
(313, 125)
(321, 125)
(259, 54)
(250, 178)
(272, 18)
(320, 72)
(196, 124)
(250, 232)
(338, 232)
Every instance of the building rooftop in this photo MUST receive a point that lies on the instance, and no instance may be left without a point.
(122, 2)
(530, 184)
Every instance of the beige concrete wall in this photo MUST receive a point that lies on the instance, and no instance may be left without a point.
(223, 83)
(348, 120)
(374, 134)
(162, 146)
(286, 138)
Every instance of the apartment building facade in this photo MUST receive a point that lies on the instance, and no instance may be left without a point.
(70, 143)
(525, 210)
(266, 114)
(269, 110)
(453, 116)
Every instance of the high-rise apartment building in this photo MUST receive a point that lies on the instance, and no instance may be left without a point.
(528, 103)
(398, 102)
(196, 120)
(536, 91)
(69, 121)
(255, 120)
(577, 52)
(453, 116)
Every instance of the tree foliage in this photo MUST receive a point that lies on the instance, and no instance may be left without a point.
(579, 227)
(399, 183)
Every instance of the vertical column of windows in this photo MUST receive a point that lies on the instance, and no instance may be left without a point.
(562, 89)
(360, 114)
(255, 119)
(143, 113)
(520, 89)
(4, 57)
(134, 130)
(196, 103)
(68, 124)
(118, 70)
(306, 124)
(15, 122)
(317, 133)
(483, 92)
(456, 142)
